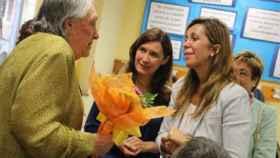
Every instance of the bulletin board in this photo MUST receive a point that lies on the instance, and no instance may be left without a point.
(254, 25)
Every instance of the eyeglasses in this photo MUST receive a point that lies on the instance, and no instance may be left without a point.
(252, 60)
(249, 58)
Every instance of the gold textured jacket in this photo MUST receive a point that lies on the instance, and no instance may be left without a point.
(40, 103)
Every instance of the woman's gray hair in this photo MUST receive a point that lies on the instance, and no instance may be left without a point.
(53, 13)
(200, 147)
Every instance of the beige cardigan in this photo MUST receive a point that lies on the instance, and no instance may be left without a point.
(40, 103)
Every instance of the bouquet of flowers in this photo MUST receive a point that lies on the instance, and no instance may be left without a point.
(121, 110)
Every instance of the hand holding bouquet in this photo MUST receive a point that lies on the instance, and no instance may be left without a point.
(121, 109)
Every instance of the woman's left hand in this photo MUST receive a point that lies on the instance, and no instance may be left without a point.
(133, 146)
(174, 140)
(178, 137)
(168, 146)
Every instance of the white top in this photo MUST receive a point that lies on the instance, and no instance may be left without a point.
(227, 122)
(185, 121)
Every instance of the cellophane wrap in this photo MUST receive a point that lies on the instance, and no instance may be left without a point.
(121, 109)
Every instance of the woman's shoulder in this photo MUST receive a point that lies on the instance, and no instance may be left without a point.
(233, 93)
(177, 86)
(179, 83)
(233, 89)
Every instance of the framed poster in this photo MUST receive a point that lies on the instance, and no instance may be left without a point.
(232, 40)
(263, 25)
(176, 47)
(216, 2)
(272, 0)
(169, 17)
(228, 17)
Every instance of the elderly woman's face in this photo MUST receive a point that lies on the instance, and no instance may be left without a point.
(243, 74)
(81, 33)
(197, 47)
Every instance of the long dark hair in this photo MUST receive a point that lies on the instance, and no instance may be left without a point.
(162, 75)
(26, 30)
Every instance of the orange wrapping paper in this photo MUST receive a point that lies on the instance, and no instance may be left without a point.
(121, 110)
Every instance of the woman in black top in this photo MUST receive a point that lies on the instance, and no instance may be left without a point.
(150, 63)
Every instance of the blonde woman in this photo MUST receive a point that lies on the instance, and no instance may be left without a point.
(208, 103)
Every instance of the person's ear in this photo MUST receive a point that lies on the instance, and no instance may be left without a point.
(165, 60)
(254, 83)
(67, 24)
(216, 49)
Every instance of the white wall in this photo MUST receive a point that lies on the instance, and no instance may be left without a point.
(119, 25)
(110, 26)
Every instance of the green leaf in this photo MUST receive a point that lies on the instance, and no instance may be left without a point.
(148, 99)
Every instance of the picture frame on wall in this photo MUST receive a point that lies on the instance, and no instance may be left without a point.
(226, 16)
(272, 0)
(171, 18)
(262, 24)
(232, 37)
(276, 64)
(176, 47)
(215, 2)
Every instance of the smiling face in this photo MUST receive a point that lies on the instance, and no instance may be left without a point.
(149, 57)
(197, 47)
(81, 33)
(243, 75)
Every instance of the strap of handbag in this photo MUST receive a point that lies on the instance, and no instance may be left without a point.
(257, 135)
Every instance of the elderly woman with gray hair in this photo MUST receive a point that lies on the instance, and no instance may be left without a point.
(200, 147)
(41, 107)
